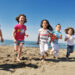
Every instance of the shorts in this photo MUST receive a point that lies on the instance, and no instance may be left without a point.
(19, 42)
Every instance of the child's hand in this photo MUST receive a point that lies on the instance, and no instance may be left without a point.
(37, 42)
(27, 35)
(15, 41)
(60, 36)
(2, 40)
(50, 41)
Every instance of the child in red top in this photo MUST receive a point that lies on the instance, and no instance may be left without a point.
(19, 34)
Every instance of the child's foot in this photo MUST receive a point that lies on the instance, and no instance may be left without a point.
(55, 57)
(43, 58)
(18, 59)
(15, 50)
(46, 53)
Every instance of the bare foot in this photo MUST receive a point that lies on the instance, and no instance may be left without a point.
(46, 53)
(18, 59)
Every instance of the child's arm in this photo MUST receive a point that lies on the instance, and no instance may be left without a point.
(66, 38)
(1, 36)
(38, 38)
(26, 35)
(14, 35)
(60, 36)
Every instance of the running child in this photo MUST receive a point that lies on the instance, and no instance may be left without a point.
(19, 34)
(56, 35)
(43, 35)
(69, 38)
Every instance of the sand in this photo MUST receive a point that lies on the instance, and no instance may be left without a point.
(32, 65)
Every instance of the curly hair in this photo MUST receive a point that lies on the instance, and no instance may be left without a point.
(66, 30)
(17, 18)
(49, 26)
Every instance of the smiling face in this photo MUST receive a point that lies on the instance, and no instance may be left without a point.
(22, 19)
(44, 24)
(70, 31)
(58, 28)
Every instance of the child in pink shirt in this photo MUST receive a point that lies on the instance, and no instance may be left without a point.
(19, 34)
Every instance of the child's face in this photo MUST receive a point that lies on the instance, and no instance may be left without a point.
(58, 28)
(22, 19)
(44, 24)
(70, 31)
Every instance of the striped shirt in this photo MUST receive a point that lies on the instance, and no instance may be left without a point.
(44, 34)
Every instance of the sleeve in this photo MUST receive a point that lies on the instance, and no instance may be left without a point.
(74, 36)
(25, 28)
(15, 27)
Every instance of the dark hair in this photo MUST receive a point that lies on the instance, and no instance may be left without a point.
(17, 18)
(58, 24)
(66, 30)
(49, 26)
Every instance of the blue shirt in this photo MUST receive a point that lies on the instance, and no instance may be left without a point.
(57, 35)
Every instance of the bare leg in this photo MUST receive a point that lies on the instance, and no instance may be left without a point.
(16, 48)
(19, 52)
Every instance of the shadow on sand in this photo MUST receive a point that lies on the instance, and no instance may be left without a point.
(11, 67)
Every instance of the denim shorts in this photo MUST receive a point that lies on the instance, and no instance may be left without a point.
(19, 42)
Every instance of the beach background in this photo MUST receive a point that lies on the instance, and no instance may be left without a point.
(31, 63)
(31, 44)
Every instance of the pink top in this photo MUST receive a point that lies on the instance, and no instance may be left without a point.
(20, 32)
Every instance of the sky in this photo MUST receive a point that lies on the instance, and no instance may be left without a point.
(55, 11)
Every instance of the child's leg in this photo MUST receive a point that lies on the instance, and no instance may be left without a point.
(16, 48)
(46, 48)
(56, 50)
(19, 51)
(42, 49)
(56, 53)
(68, 52)
(53, 48)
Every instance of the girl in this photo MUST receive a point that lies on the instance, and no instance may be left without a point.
(69, 38)
(19, 33)
(43, 35)
(54, 40)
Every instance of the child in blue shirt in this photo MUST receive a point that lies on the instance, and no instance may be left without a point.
(54, 44)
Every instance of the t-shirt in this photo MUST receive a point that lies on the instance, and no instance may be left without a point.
(57, 34)
(20, 32)
(44, 34)
(70, 41)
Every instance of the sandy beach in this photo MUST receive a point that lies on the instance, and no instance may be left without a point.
(32, 65)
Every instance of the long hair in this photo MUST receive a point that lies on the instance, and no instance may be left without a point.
(66, 30)
(49, 26)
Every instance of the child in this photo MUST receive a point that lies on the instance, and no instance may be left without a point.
(54, 40)
(69, 38)
(1, 37)
(43, 35)
(19, 33)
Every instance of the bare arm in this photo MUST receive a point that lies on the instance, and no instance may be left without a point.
(66, 39)
(14, 35)
(1, 36)
(38, 38)
(60, 36)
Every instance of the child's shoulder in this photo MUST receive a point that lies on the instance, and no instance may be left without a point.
(40, 29)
